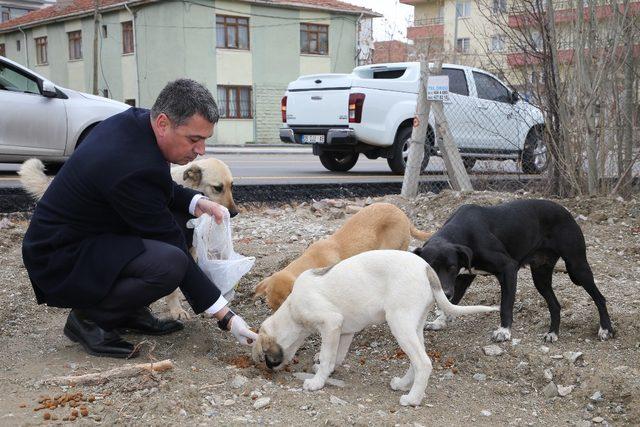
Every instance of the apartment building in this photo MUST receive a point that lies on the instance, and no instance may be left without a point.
(10, 9)
(244, 51)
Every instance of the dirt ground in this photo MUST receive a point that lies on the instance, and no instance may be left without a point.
(212, 384)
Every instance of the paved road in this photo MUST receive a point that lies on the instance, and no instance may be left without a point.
(298, 166)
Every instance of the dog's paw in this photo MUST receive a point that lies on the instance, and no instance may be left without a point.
(605, 334)
(313, 384)
(437, 325)
(398, 385)
(550, 337)
(501, 334)
(408, 400)
(179, 313)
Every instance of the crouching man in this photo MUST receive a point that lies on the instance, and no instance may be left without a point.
(108, 236)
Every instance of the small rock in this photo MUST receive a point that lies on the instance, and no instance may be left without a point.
(229, 402)
(557, 356)
(479, 377)
(238, 381)
(550, 390)
(255, 394)
(485, 413)
(573, 356)
(261, 403)
(596, 397)
(382, 414)
(544, 349)
(581, 218)
(183, 413)
(548, 374)
(522, 366)
(448, 375)
(590, 407)
(369, 201)
(565, 390)
(492, 350)
(515, 341)
(597, 420)
(351, 209)
(336, 400)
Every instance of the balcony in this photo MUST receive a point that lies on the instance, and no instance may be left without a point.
(426, 28)
(564, 12)
(565, 56)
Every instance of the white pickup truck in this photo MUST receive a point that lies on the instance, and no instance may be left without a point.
(371, 110)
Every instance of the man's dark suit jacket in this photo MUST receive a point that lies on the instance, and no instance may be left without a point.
(115, 190)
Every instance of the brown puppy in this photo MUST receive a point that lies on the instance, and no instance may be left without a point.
(378, 226)
(210, 176)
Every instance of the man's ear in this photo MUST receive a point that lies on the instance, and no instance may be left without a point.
(193, 175)
(465, 255)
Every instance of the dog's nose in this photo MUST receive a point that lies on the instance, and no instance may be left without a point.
(233, 213)
(272, 362)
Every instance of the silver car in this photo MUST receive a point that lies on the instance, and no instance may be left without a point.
(43, 120)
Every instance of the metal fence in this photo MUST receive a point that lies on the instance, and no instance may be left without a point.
(504, 145)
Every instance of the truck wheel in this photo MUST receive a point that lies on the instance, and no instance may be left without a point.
(401, 151)
(535, 158)
(469, 163)
(338, 162)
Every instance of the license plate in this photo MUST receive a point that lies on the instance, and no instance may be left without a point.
(313, 139)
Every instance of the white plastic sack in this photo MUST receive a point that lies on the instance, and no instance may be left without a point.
(216, 257)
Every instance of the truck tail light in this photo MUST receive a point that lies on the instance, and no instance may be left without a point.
(356, 101)
(283, 109)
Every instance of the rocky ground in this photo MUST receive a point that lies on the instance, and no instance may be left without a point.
(577, 380)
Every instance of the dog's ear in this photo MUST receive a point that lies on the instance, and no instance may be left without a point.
(193, 175)
(465, 255)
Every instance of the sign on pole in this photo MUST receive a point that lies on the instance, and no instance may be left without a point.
(438, 88)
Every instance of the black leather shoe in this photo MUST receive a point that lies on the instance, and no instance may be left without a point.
(95, 340)
(145, 322)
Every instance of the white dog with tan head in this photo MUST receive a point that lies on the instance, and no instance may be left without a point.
(369, 288)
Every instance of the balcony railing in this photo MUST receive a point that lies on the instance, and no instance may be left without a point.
(428, 21)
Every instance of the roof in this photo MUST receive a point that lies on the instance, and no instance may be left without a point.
(76, 8)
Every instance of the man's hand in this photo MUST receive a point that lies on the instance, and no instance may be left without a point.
(214, 209)
(241, 331)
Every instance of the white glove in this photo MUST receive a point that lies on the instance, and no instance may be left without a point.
(241, 331)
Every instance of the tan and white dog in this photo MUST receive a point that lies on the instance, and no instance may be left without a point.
(338, 301)
(378, 226)
(210, 176)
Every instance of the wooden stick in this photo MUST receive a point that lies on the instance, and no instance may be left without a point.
(119, 372)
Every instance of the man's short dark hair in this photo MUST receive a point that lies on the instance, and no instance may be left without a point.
(182, 98)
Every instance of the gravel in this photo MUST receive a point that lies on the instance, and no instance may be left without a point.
(208, 363)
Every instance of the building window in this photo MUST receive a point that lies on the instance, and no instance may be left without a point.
(314, 39)
(105, 33)
(127, 37)
(462, 45)
(2, 50)
(75, 45)
(234, 102)
(5, 15)
(499, 6)
(131, 102)
(41, 50)
(497, 43)
(463, 9)
(232, 32)
(18, 45)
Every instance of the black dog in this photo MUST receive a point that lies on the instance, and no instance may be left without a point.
(503, 238)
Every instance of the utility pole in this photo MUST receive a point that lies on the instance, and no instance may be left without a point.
(455, 35)
(96, 28)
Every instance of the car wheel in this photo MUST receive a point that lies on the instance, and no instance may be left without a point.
(400, 148)
(535, 156)
(469, 163)
(337, 161)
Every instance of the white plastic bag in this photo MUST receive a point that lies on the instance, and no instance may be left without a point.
(216, 257)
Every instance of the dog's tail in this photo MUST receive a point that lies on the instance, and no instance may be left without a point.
(33, 178)
(420, 235)
(446, 306)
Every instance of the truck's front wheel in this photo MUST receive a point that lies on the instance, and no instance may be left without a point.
(337, 161)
